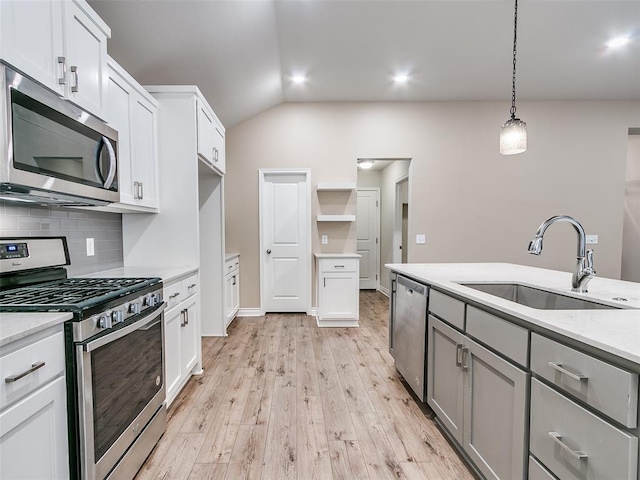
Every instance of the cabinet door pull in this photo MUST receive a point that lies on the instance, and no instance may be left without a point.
(74, 70)
(465, 358)
(186, 314)
(62, 80)
(182, 318)
(578, 455)
(141, 190)
(325, 281)
(34, 367)
(459, 354)
(576, 376)
(234, 279)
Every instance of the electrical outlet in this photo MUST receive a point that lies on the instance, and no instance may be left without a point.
(325, 239)
(592, 239)
(91, 251)
(421, 239)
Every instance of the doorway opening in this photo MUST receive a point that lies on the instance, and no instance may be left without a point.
(630, 270)
(383, 197)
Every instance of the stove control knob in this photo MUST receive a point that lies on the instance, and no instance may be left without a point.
(105, 321)
(152, 299)
(117, 316)
(134, 307)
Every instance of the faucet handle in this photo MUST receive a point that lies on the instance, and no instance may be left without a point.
(589, 262)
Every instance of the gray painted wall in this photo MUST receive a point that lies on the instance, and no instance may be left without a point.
(76, 225)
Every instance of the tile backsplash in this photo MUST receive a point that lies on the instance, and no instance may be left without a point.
(77, 225)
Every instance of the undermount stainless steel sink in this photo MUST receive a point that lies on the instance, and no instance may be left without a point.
(537, 298)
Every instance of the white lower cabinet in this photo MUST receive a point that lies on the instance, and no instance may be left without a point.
(480, 398)
(33, 408)
(33, 435)
(182, 334)
(231, 288)
(338, 290)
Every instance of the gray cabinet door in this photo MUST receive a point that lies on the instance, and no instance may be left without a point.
(445, 375)
(495, 399)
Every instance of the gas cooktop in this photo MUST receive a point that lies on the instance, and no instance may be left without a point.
(72, 294)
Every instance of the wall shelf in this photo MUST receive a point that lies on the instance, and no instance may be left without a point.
(336, 187)
(336, 218)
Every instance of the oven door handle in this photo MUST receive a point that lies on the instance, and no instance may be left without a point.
(139, 325)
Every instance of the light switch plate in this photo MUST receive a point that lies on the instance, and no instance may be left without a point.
(592, 239)
(91, 251)
(325, 239)
(421, 239)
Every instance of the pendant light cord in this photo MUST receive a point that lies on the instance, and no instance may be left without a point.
(513, 78)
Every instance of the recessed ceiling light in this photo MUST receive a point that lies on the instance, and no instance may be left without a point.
(401, 78)
(365, 164)
(617, 42)
(298, 79)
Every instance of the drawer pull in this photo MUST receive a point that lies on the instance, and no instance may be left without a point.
(33, 368)
(558, 439)
(576, 376)
(172, 296)
(339, 266)
(191, 286)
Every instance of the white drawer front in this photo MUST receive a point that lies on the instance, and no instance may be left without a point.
(339, 265)
(605, 387)
(561, 430)
(537, 471)
(447, 308)
(48, 351)
(173, 294)
(507, 338)
(190, 285)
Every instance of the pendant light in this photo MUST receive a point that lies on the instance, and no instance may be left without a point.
(513, 134)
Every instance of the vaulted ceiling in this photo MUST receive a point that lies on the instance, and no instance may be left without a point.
(243, 53)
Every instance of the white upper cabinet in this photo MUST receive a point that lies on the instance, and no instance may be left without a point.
(61, 44)
(86, 43)
(210, 137)
(31, 40)
(132, 111)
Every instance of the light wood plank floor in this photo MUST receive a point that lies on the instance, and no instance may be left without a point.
(283, 399)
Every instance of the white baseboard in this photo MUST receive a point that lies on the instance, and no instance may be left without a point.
(249, 312)
(384, 290)
(337, 323)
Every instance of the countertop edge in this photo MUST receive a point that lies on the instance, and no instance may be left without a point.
(14, 326)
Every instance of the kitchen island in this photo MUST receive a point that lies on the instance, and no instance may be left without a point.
(544, 392)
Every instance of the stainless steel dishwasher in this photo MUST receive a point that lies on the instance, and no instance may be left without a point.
(408, 331)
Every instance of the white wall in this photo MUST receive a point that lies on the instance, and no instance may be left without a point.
(473, 204)
(390, 175)
(630, 269)
(369, 178)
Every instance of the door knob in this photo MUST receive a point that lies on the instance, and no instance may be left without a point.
(268, 251)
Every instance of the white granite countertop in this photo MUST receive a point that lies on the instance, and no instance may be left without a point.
(229, 256)
(337, 255)
(14, 326)
(168, 274)
(614, 331)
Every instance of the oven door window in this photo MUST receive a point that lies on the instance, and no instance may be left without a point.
(126, 375)
(50, 143)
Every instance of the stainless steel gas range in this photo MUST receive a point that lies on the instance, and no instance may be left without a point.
(114, 353)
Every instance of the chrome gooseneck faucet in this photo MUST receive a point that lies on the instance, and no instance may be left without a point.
(584, 263)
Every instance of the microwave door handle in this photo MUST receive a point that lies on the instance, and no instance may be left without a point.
(112, 163)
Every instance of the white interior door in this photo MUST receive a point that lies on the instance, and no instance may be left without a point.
(285, 241)
(368, 227)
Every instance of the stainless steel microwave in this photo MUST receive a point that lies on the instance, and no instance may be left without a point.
(53, 152)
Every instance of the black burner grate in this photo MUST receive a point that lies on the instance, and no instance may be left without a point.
(70, 294)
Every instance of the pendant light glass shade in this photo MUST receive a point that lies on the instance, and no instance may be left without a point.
(513, 137)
